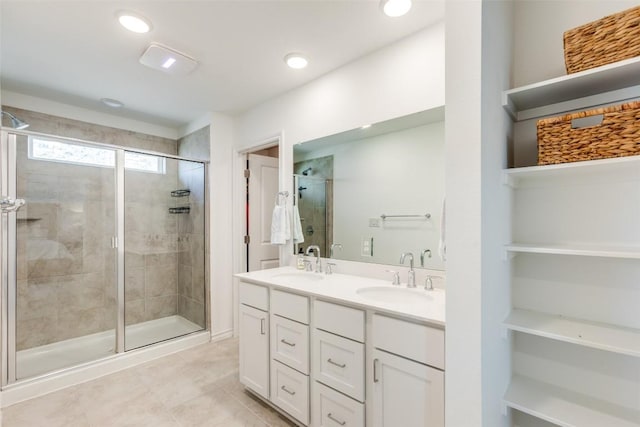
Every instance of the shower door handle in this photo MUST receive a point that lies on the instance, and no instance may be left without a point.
(11, 205)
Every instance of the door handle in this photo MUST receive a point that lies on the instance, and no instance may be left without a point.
(375, 370)
(287, 390)
(11, 205)
(290, 344)
(339, 365)
(262, 331)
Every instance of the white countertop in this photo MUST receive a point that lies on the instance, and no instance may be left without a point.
(428, 306)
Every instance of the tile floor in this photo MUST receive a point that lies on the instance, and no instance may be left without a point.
(196, 387)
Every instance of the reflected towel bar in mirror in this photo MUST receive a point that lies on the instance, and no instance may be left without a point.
(426, 216)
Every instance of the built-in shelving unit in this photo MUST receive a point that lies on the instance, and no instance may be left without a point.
(566, 408)
(628, 167)
(609, 83)
(589, 334)
(576, 250)
(546, 346)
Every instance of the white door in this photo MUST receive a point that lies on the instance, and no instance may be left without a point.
(406, 393)
(254, 349)
(263, 188)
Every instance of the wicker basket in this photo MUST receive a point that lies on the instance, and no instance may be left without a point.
(618, 135)
(610, 39)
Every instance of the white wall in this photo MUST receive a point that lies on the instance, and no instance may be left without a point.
(478, 34)
(221, 225)
(403, 78)
(538, 52)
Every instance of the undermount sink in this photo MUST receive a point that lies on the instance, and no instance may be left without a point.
(395, 295)
(299, 276)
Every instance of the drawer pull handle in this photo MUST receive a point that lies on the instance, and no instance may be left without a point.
(262, 331)
(290, 344)
(287, 390)
(331, 417)
(339, 365)
(375, 370)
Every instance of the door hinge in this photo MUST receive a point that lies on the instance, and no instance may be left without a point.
(247, 239)
(247, 173)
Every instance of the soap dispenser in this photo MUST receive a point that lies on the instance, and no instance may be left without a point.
(300, 261)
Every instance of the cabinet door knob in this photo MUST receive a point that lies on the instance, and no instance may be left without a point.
(290, 344)
(331, 417)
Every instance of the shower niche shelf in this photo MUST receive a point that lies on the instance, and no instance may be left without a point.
(181, 193)
(180, 210)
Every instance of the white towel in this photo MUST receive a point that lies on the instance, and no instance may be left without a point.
(280, 226)
(442, 244)
(298, 236)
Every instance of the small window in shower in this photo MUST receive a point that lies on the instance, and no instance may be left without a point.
(81, 154)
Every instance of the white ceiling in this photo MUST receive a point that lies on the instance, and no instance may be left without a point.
(75, 52)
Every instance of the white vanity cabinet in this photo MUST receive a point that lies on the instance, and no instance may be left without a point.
(289, 317)
(254, 338)
(338, 365)
(408, 374)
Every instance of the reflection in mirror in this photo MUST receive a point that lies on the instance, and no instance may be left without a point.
(369, 195)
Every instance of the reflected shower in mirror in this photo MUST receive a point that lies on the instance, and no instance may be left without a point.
(376, 192)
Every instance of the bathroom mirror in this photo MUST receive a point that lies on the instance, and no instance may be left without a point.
(374, 192)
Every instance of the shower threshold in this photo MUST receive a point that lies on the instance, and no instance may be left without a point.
(64, 354)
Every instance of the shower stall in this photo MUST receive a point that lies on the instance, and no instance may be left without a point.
(107, 254)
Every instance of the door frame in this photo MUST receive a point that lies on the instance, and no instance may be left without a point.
(239, 208)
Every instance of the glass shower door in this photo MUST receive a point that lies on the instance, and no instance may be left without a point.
(65, 275)
(164, 258)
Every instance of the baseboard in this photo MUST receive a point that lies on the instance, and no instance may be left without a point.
(222, 335)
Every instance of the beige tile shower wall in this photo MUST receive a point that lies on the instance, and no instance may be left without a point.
(65, 263)
(191, 262)
(152, 245)
(60, 126)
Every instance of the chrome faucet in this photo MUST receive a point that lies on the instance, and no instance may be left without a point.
(426, 252)
(316, 251)
(411, 280)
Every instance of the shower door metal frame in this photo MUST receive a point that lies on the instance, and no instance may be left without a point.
(8, 243)
(9, 267)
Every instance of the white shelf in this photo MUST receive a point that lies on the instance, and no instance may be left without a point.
(566, 408)
(608, 83)
(619, 166)
(601, 336)
(602, 251)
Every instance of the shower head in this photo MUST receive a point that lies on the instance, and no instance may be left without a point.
(16, 122)
(306, 171)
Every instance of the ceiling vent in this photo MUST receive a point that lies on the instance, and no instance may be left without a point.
(165, 59)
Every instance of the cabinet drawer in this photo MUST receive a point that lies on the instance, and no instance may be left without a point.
(291, 306)
(290, 391)
(332, 409)
(340, 320)
(254, 295)
(290, 343)
(417, 342)
(339, 363)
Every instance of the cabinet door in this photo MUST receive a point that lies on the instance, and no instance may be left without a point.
(254, 350)
(406, 393)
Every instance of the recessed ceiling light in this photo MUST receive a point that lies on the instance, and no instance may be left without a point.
(134, 22)
(113, 103)
(296, 60)
(395, 8)
(169, 62)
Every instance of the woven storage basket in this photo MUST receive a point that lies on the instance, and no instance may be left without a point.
(618, 135)
(610, 39)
